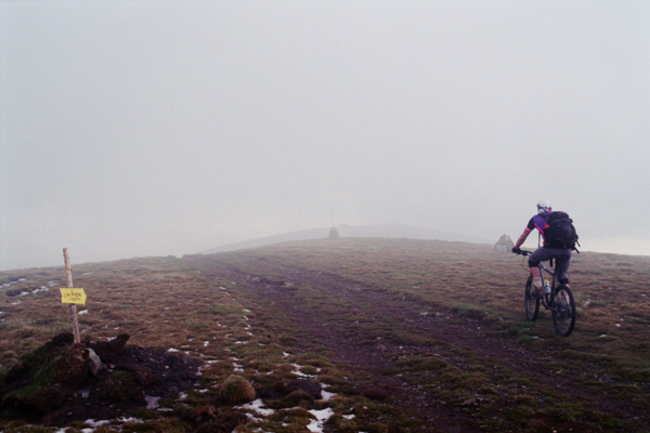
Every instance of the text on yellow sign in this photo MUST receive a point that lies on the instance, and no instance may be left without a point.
(73, 296)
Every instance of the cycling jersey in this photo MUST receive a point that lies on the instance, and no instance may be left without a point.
(537, 222)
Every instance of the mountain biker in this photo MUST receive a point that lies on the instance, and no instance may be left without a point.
(562, 256)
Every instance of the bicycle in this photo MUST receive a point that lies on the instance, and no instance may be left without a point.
(558, 299)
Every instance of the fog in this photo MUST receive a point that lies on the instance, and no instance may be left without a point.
(156, 128)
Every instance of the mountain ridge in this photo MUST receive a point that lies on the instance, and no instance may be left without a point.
(350, 231)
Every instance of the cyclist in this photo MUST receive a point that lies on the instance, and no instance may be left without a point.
(562, 256)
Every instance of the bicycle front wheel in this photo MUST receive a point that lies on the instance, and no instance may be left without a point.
(564, 311)
(531, 302)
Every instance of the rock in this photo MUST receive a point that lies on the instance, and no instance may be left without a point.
(95, 362)
(504, 244)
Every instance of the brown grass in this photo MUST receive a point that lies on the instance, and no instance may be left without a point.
(179, 303)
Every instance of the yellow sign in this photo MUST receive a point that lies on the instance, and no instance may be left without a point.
(73, 296)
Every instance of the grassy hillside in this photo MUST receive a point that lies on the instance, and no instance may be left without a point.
(405, 335)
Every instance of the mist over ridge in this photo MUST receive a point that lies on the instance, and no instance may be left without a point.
(351, 231)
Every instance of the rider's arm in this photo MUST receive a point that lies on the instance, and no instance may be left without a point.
(523, 237)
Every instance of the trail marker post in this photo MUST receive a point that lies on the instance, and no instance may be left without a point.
(72, 299)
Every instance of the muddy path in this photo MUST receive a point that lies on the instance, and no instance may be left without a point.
(377, 332)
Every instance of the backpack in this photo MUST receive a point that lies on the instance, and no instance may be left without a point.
(559, 231)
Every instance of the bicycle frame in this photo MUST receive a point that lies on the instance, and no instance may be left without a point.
(560, 300)
(549, 298)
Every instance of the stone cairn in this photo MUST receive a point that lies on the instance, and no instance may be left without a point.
(504, 244)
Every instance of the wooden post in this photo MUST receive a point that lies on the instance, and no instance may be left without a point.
(73, 307)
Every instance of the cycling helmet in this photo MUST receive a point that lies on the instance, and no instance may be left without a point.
(544, 206)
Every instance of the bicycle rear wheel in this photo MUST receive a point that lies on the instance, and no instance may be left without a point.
(564, 311)
(531, 302)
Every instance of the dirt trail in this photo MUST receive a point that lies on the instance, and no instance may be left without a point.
(498, 354)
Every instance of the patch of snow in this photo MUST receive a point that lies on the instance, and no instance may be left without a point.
(93, 423)
(182, 395)
(351, 416)
(258, 407)
(327, 396)
(321, 418)
(130, 419)
(299, 373)
(152, 402)
(17, 302)
(83, 312)
(603, 335)
(171, 349)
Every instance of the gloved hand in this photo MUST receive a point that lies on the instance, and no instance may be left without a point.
(516, 250)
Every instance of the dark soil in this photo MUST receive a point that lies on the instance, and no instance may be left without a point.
(54, 385)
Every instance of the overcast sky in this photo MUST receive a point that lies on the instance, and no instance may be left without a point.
(152, 128)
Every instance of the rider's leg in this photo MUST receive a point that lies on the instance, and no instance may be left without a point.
(563, 260)
(537, 277)
(533, 262)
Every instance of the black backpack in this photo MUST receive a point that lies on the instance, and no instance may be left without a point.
(559, 231)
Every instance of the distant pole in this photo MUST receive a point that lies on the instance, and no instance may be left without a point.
(73, 307)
